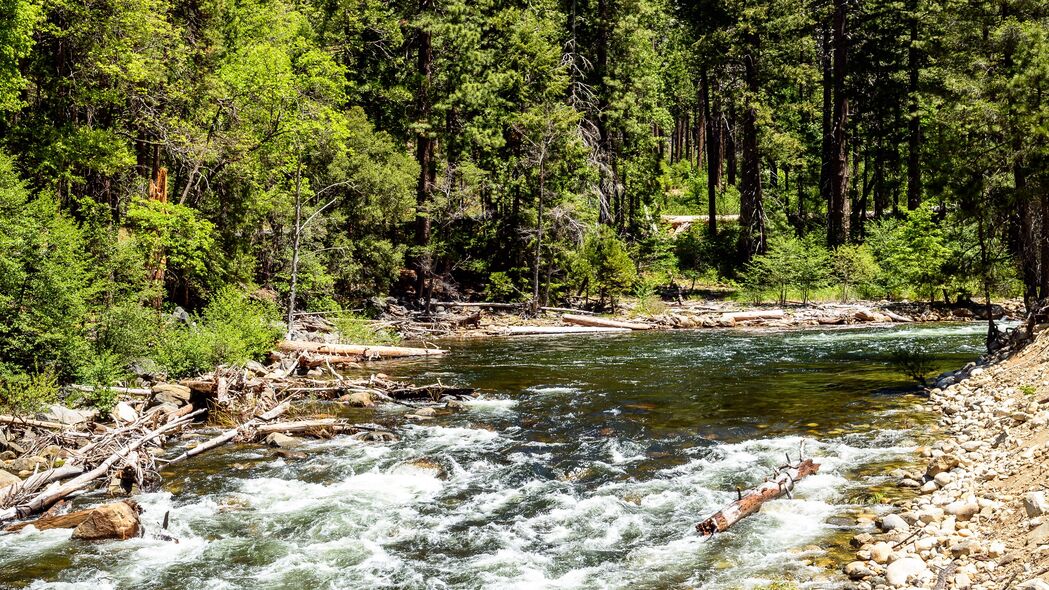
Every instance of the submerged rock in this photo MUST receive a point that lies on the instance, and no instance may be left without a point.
(283, 441)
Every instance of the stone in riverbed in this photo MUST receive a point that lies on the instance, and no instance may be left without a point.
(902, 571)
(962, 510)
(118, 520)
(941, 464)
(1039, 536)
(880, 552)
(858, 570)
(358, 399)
(1035, 504)
(7, 479)
(892, 522)
(1035, 584)
(283, 441)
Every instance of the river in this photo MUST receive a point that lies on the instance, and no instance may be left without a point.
(586, 464)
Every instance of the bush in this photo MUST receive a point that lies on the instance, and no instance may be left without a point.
(789, 262)
(853, 266)
(354, 329)
(232, 329)
(25, 393)
(102, 371)
(605, 265)
(913, 362)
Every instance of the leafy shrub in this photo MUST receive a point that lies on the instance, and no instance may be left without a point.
(853, 266)
(354, 329)
(102, 371)
(24, 393)
(913, 362)
(232, 329)
(789, 262)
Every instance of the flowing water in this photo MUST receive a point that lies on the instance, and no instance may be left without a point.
(586, 465)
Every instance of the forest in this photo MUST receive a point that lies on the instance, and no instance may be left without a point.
(174, 171)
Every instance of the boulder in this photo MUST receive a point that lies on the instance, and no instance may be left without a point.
(1040, 535)
(118, 520)
(1035, 504)
(858, 570)
(358, 399)
(171, 393)
(901, 572)
(8, 479)
(68, 416)
(880, 552)
(941, 464)
(123, 412)
(283, 441)
(962, 510)
(892, 522)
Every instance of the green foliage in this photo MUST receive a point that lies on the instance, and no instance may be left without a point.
(789, 262)
(354, 329)
(1028, 390)
(232, 329)
(605, 265)
(911, 253)
(24, 393)
(853, 266)
(102, 371)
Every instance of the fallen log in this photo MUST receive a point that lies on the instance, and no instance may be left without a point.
(20, 421)
(743, 316)
(356, 350)
(11, 493)
(49, 496)
(232, 433)
(123, 390)
(603, 322)
(537, 330)
(333, 424)
(64, 521)
(749, 502)
(567, 310)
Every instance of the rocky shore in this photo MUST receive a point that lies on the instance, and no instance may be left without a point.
(979, 517)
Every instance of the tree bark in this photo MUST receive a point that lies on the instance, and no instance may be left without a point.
(838, 204)
(752, 213)
(713, 165)
(750, 502)
(914, 125)
(424, 154)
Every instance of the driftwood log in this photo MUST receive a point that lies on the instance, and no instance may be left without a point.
(53, 494)
(749, 502)
(597, 322)
(539, 330)
(743, 316)
(356, 350)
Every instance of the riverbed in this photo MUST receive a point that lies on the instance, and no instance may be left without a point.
(585, 464)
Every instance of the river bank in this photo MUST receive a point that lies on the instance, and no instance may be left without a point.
(478, 319)
(978, 518)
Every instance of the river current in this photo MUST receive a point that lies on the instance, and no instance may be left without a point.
(586, 464)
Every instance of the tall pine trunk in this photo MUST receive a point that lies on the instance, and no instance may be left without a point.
(752, 211)
(424, 153)
(713, 159)
(914, 125)
(838, 201)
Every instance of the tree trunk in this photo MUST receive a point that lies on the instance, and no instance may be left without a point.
(838, 205)
(752, 213)
(424, 153)
(713, 165)
(750, 502)
(914, 125)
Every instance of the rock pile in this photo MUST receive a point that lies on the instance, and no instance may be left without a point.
(980, 517)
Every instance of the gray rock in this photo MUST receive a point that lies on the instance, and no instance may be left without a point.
(1035, 584)
(1035, 504)
(892, 522)
(69, 416)
(283, 441)
(902, 571)
(858, 570)
(171, 393)
(7, 479)
(962, 510)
